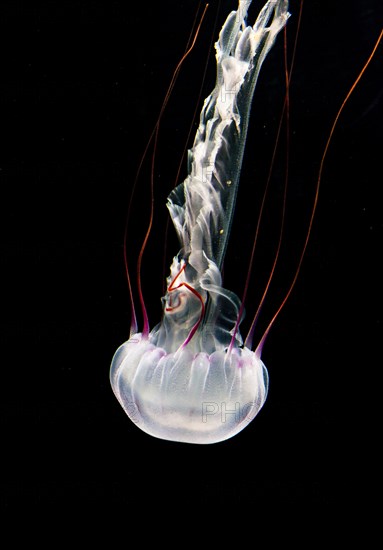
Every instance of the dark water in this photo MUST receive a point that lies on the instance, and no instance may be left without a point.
(81, 86)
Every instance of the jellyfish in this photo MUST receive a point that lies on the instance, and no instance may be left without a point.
(192, 378)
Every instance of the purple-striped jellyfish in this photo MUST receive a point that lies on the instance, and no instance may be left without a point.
(191, 378)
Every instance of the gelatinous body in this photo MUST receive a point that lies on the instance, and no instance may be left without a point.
(191, 378)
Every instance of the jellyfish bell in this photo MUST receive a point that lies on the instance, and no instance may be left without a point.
(191, 378)
(194, 389)
(185, 396)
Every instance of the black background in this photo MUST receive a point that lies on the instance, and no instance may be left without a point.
(81, 86)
